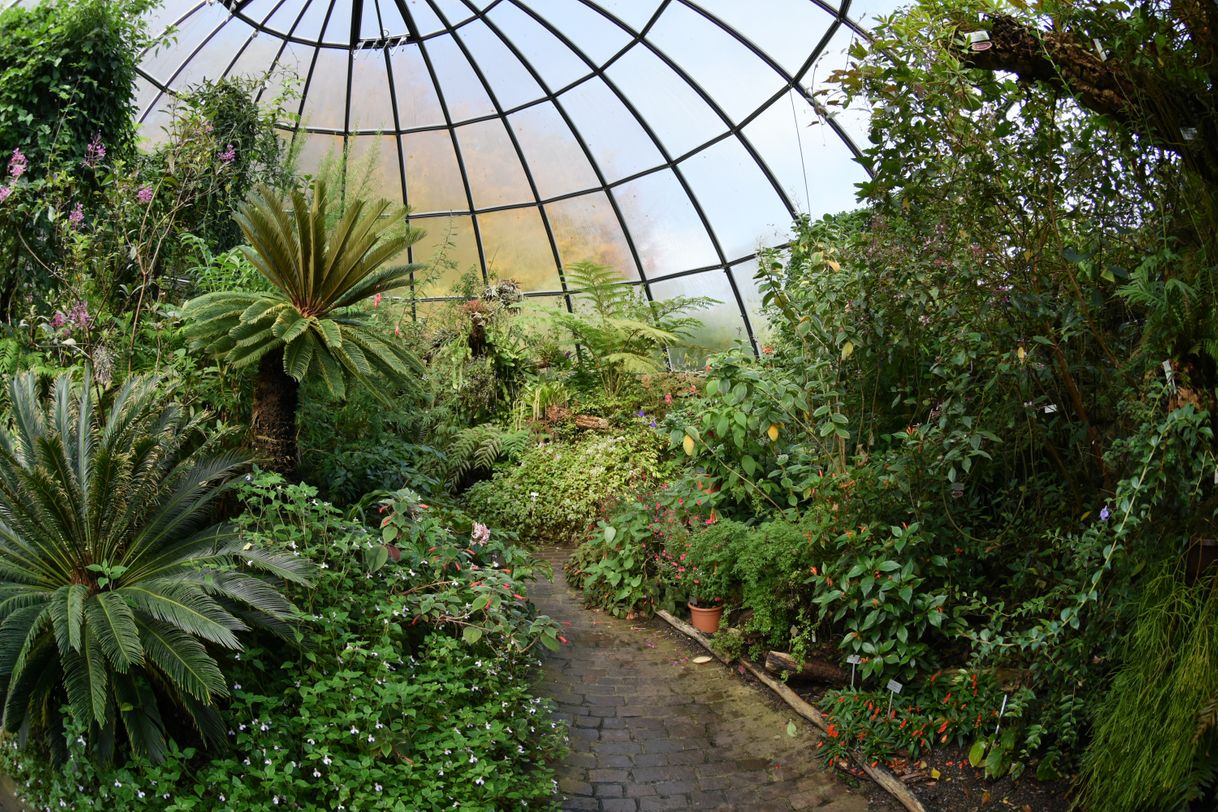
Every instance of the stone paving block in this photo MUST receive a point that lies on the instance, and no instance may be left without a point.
(619, 805)
(651, 730)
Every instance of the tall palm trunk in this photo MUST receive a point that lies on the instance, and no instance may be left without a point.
(274, 415)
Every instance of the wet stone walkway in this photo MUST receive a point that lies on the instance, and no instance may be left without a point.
(652, 730)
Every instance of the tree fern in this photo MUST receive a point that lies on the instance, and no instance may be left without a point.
(619, 333)
(478, 448)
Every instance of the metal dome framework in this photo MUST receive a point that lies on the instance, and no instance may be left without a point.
(607, 108)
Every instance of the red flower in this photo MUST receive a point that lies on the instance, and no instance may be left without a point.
(832, 731)
(943, 726)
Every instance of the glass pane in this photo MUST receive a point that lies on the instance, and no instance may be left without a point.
(744, 274)
(255, 60)
(371, 24)
(214, 56)
(161, 16)
(326, 95)
(619, 145)
(145, 94)
(517, 248)
(454, 11)
(555, 158)
(418, 104)
(461, 88)
(495, 174)
(373, 167)
(194, 29)
(320, 154)
(665, 228)
(433, 180)
(866, 10)
(680, 118)
(734, 77)
(722, 325)
(449, 251)
(338, 30)
(370, 103)
(815, 168)
(740, 203)
(511, 83)
(855, 120)
(587, 230)
(557, 64)
(589, 31)
(287, 76)
(634, 13)
(786, 30)
(308, 26)
(424, 17)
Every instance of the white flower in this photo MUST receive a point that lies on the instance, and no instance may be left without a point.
(117, 783)
(378, 787)
(327, 761)
(317, 773)
(354, 730)
(479, 781)
(222, 798)
(237, 687)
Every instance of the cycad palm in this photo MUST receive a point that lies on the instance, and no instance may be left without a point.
(115, 584)
(308, 325)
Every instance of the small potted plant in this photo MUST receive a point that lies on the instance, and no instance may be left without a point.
(707, 582)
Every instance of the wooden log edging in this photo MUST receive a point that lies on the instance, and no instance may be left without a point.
(886, 780)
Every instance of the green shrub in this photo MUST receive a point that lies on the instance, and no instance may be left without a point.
(555, 492)
(393, 704)
(118, 591)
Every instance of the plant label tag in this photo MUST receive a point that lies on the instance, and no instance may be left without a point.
(1168, 374)
(895, 686)
(854, 659)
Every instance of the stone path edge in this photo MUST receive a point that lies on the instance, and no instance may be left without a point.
(886, 780)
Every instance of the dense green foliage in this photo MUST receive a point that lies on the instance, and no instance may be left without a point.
(119, 590)
(319, 275)
(66, 76)
(376, 712)
(553, 491)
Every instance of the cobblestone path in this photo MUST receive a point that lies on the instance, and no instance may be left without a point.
(652, 730)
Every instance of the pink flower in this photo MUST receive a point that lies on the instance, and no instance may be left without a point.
(77, 215)
(229, 154)
(17, 164)
(376, 300)
(144, 195)
(5, 191)
(481, 534)
(95, 151)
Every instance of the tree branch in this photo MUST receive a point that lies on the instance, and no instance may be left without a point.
(1167, 112)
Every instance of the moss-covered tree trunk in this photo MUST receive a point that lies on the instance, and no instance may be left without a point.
(274, 416)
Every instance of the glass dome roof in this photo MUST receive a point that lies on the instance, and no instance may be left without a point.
(668, 139)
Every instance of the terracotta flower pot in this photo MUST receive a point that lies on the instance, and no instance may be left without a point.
(706, 619)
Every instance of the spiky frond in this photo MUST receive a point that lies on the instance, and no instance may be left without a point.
(108, 562)
(320, 278)
(478, 448)
(619, 332)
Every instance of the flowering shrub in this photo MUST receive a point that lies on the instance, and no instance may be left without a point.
(390, 704)
(620, 565)
(953, 707)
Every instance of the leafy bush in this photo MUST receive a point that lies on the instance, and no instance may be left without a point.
(555, 491)
(959, 707)
(118, 589)
(621, 565)
(392, 705)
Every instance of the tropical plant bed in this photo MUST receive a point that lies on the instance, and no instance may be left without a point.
(941, 779)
